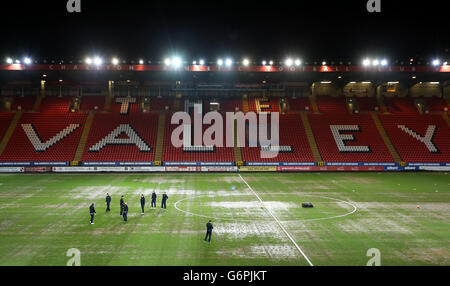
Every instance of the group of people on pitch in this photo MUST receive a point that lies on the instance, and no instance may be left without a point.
(124, 206)
(124, 210)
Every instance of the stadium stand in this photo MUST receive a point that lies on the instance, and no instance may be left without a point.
(292, 133)
(299, 104)
(125, 105)
(25, 102)
(355, 138)
(127, 138)
(44, 137)
(55, 104)
(436, 103)
(230, 104)
(90, 102)
(400, 105)
(331, 105)
(264, 104)
(5, 120)
(158, 104)
(366, 103)
(419, 139)
(173, 154)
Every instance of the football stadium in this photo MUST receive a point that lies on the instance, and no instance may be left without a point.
(224, 141)
(358, 174)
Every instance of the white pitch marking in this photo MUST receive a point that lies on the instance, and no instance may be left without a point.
(279, 223)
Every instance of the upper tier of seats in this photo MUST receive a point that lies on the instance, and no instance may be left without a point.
(436, 103)
(400, 105)
(115, 137)
(45, 137)
(299, 104)
(261, 104)
(25, 102)
(423, 138)
(332, 105)
(90, 102)
(54, 104)
(292, 133)
(348, 138)
(366, 103)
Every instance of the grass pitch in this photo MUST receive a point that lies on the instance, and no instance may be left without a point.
(43, 215)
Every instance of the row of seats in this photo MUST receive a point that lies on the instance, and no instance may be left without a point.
(5, 120)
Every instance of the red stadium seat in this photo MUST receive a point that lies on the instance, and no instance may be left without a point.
(5, 120)
(360, 127)
(408, 132)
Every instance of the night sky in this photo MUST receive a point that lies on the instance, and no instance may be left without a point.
(313, 30)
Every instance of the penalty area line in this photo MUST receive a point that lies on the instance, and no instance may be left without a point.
(279, 223)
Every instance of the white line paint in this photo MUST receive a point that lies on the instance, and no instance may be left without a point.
(279, 223)
(246, 220)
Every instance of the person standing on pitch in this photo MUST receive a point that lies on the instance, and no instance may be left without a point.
(121, 205)
(142, 203)
(209, 228)
(153, 199)
(125, 212)
(92, 212)
(108, 202)
(164, 199)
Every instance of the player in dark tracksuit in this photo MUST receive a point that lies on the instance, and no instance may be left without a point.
(121, 205)
(209, 228)
(163, 201)
(153, 199)
(108, 202)
(142, 203)
(92, 212)
(125, 212)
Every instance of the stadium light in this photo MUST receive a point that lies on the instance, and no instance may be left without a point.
(98, 61)
(167, 62)
(27, 60)
(324, 63)
(263, 63)
(245, 62)
(176, 62)
(366, 62)
(298, 62)
(141, 61)
(201, 62)
(436, 62)
(325, 82)
(115, 61)
(384, 62)
(228, 62)
(375, 62)
(270, 62)
(288, 62)
(445, 64)
(17, 62)
(88, 61)
(9, 61)
(219, 62)
(194, 63)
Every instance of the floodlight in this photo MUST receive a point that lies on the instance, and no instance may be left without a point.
(27, 60)
(88, 61)
(115, 61)
(9, 61)
(202, 62)
(298, 62)
(167, 62)
(176, 62)
(17, 62)
(98, 61)
(436, 62)
(366, 62)
(245, 62)
(228, 62)
(263, 63)
(375, 62)
(270, 62)
(141, 61)
(288, 62)
(324, 63)
(219, 62)
(384, 62)
(194, 63)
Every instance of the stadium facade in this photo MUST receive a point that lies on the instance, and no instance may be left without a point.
(80, 117)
